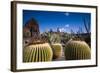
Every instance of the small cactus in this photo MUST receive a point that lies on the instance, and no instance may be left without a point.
(76, 50)
(57, 50)
(37, 53)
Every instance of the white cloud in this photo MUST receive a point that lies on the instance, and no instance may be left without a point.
(62, 30)
(67, 14)
(67, 25)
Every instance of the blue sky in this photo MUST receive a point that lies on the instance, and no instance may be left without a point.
(52, 20)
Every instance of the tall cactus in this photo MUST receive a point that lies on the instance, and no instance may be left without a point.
(57, 50)
(37, 53)
(76, 50)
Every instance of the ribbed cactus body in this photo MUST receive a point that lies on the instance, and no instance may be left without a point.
(57, 50)
(76, 50)
(37, 53)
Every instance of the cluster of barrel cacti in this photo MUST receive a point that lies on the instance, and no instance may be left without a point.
(76, 50)
(37, 53)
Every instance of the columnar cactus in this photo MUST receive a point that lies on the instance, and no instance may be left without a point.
(57, 50)
(76, 50)
(37, 53)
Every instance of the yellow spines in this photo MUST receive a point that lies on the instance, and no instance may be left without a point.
(57, 50)
(37, 53)
(76, 50)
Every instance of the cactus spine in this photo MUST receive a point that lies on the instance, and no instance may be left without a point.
(37, 53)
(76, 50)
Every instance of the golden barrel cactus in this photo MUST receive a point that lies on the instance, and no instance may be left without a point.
(37, 53)
(76, 50)
(57, 50)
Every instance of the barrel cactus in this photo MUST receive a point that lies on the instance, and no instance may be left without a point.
(77, 50)
(57, 50)
(37, 53)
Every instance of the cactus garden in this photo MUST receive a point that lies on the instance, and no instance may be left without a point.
(56, 36)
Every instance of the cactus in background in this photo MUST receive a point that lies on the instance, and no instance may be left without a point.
(88, 30)
(57, 50)
(37, 53)
(55, 38)
(76, 50)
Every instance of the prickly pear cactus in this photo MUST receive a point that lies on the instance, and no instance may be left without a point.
(57, 50)
(37, 53)
(76, 50)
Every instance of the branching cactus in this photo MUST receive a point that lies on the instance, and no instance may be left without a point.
(57, 50)
(37, 53)
(76, 50)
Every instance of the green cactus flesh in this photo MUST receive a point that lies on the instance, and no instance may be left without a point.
(37, 53)
(57, 50)
(76, 50)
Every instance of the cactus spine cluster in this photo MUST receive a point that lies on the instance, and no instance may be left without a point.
(76, 50)
(57, 50)
(37, 53)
